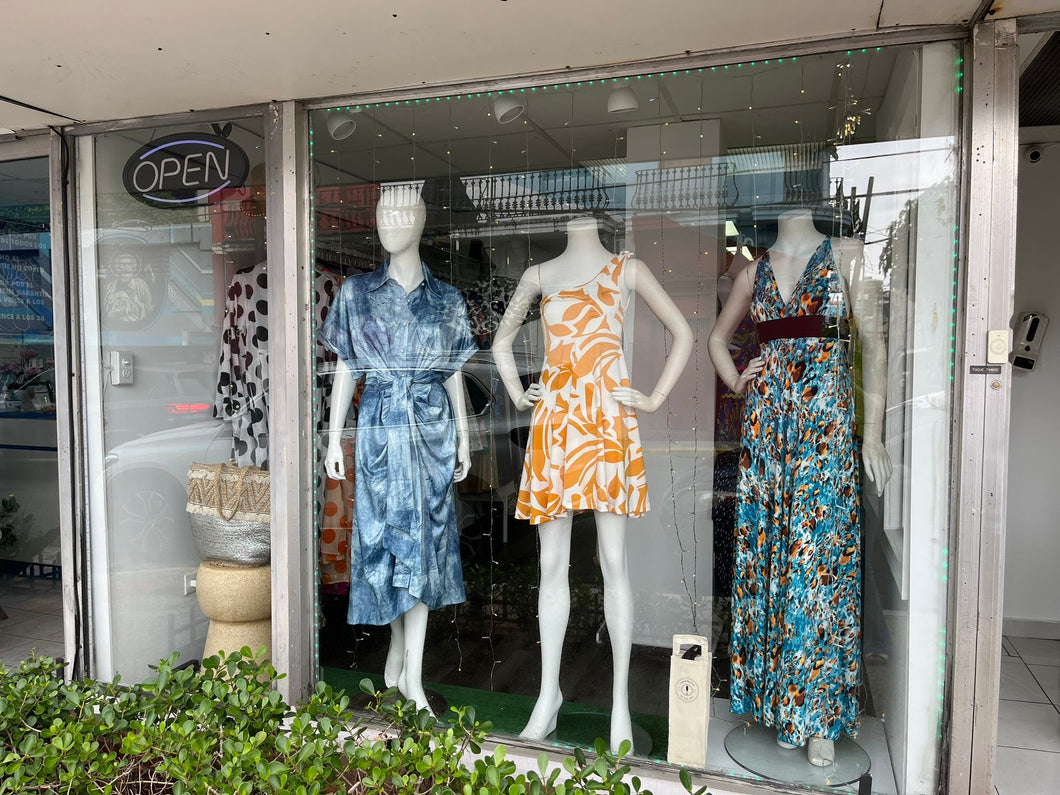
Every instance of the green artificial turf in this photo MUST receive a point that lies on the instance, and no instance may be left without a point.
(578, 725)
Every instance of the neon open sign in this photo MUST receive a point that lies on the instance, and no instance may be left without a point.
(183, 169)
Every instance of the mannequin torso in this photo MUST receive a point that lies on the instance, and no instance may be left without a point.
(582, 259)
(797, 240)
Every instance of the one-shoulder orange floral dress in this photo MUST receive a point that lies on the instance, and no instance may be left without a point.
(584, 451)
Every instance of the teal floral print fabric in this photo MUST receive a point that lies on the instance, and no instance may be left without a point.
(796, 597)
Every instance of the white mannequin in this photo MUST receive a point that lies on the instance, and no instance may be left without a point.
(400, 216)
(797, 240)
(580, 262)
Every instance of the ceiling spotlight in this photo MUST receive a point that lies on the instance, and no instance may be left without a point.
(622, 99)
(507, 109)
(341, 124)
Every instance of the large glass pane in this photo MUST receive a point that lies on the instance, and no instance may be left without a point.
(174, 290)
(797, 218)
(30, 592)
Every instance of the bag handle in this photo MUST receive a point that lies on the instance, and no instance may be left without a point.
(240, 489)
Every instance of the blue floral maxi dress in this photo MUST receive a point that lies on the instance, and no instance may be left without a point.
(796, 598)
(404, 547)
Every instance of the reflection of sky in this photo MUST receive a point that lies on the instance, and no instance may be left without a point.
(902, 170)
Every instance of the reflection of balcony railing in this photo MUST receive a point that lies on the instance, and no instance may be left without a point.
(538, 193)
(680, 187)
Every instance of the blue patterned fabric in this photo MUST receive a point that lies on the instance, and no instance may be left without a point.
(796, 599)
(404, 547)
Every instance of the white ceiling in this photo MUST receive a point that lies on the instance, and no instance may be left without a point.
(93, 60)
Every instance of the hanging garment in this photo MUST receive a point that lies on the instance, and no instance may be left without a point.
(336, 522)
(404, 547)
(584, 450)
(243, 365)
(796, 598)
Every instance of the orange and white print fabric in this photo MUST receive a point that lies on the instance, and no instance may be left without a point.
(336, 524)
(584, 451)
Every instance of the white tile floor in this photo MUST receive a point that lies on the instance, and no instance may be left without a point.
(34, 609)
(1028, 731)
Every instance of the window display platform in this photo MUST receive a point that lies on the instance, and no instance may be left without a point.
(755, 748)
(580, 724)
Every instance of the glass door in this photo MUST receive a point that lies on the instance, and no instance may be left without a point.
(31, 604)
(172, 243)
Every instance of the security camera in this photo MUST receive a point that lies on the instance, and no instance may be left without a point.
(1033, 154)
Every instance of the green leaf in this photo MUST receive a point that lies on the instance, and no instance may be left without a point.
(686, 779)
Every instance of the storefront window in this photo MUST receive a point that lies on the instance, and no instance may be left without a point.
(175, 300)
(30, 560)
(733, 288)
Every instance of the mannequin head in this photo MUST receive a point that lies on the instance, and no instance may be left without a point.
(399, 218)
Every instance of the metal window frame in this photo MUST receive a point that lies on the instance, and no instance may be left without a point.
(987, 267)
(49, 144)
(981, 468)
(291, 369)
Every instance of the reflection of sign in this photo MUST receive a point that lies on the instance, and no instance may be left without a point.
(25, 292)
(183, 169)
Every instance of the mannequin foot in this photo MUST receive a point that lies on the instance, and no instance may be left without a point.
(415, 693)
(621, 728)
(820, 752)
(786, 746)
(395, 660)
(543, 719)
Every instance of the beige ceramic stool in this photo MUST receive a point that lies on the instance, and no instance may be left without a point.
(238, 601)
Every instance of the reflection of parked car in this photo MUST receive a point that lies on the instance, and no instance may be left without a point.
(147, 486)
(147, 476)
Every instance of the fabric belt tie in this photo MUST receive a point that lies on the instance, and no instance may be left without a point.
(833, 328)
(401, 393)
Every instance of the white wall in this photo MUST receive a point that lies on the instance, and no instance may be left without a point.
(1032, 552)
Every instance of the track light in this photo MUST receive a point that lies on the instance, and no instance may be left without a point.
(507, 109)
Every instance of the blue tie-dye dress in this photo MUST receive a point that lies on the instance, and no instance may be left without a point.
(796, 598)
(404, 547)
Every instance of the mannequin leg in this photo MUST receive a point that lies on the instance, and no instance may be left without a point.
(395, 655)
(820, 751)
(553, 611)
(618, 612)
(410, 680)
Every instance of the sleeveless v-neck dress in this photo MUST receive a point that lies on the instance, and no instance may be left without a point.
(584, 451)
(796, 598)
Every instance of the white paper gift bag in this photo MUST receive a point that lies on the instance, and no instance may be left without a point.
(689, 700)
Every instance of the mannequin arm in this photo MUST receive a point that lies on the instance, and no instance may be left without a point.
(640, 278)
(867, 308)
(454, 385)
(524, 295)
(732, 312)
(341, 397)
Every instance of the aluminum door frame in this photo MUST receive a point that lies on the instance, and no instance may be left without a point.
(982, 420)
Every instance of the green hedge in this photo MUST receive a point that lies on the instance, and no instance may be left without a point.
(222, 728)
